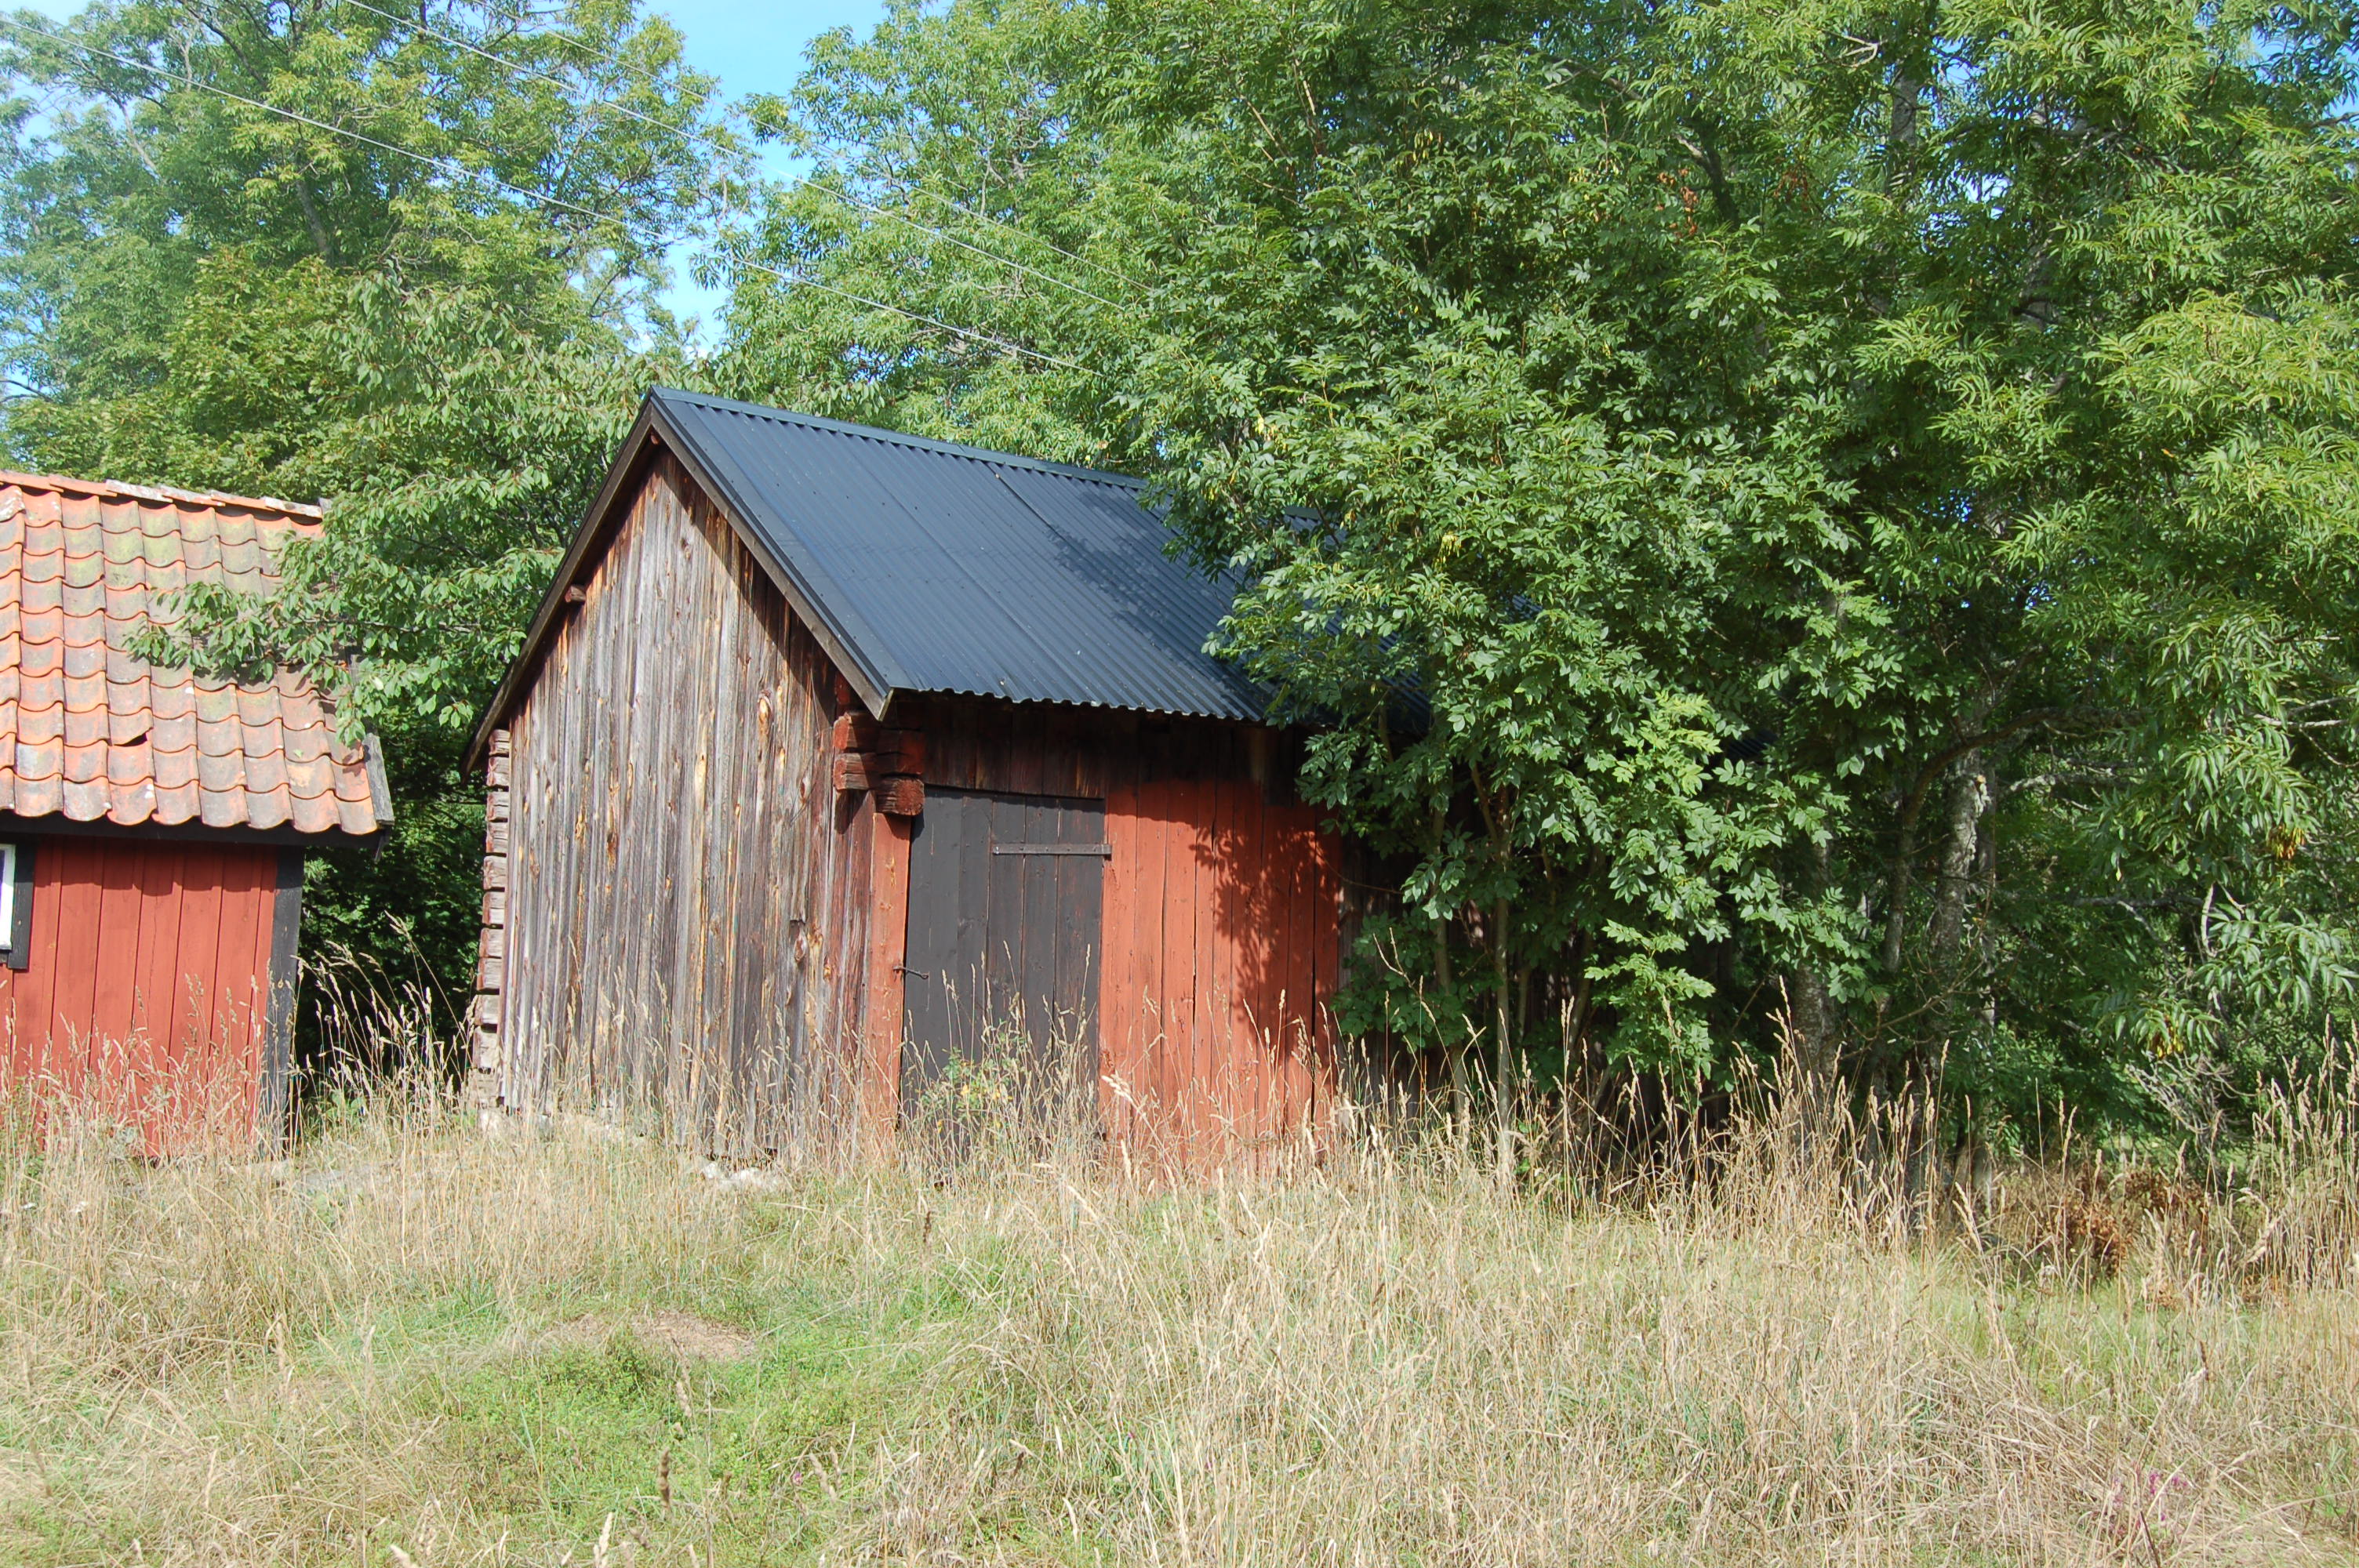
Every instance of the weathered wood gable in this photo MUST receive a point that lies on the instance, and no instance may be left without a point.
(695, 926)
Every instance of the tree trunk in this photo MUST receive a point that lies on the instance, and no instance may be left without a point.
(321, 241)
(1576, 1015)
(1968, 798)
(1809, 1022)
(1503, 1056)
(1900, 143)
(1462, 1114)
(1905, 106)
(1461, 1108)
(1896, 911)
(1576, 1067)
(1986, 857)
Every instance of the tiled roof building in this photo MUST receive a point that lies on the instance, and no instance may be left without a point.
(100, 735)
(154, 822)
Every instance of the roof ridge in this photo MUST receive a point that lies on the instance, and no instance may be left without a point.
(10, 477)
(900, 439)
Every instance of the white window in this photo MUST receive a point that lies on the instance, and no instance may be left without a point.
(16, 905)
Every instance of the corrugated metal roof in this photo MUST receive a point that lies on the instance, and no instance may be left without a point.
(949, 568)
(91, 734)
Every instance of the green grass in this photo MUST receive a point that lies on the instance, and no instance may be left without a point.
(413, 1343)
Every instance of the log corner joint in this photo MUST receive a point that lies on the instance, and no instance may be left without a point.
(889, 764)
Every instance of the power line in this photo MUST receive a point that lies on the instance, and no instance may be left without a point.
(538, 74)
(799, 280)
(452, 166)
(694, 135)
(952, 202)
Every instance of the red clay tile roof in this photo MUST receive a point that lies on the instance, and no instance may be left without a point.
(90, 733)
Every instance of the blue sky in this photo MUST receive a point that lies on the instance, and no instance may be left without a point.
(759, 47)
(752, 47)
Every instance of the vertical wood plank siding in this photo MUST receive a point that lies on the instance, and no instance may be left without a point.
(887, 948)
(692, 919)
(148, 994)
(687, 905)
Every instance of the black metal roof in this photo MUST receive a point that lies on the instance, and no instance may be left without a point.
(939, 568)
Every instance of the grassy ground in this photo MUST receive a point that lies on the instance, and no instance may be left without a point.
(414, 1344)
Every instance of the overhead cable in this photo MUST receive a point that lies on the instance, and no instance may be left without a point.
(689, 134)
(952, 202)
(451, 165)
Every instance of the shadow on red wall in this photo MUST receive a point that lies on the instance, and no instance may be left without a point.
(1221, 947)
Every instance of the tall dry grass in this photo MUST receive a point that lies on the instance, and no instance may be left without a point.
(414, 1342)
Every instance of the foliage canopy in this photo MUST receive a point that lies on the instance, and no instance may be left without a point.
(302, 249)
(1836, 512)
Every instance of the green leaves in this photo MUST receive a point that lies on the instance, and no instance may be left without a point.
(1797, 502)
(1804, 507)
(403, 263)
(308, 255)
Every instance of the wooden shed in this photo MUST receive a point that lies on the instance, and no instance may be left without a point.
(839, 764)
(154, 824)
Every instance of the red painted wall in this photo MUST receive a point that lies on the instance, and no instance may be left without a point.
(147, 994)
(1222, 947)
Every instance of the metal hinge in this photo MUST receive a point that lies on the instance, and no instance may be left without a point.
(1101, 850)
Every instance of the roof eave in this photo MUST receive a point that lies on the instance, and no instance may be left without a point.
(553, 601)
(56, 824)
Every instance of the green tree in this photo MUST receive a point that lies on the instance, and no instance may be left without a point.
(1834, 514)
(969, 242)
(408, 263)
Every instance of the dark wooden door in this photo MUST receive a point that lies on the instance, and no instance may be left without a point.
(1001, 977)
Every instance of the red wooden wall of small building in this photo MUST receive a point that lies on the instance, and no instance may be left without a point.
(147, 999)
(1221, 952)
(1221, 923)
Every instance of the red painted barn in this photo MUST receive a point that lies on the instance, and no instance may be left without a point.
(153, 824)
(843, 770)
